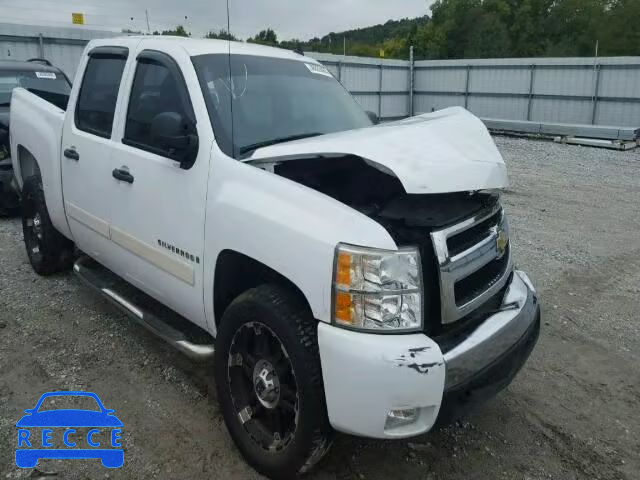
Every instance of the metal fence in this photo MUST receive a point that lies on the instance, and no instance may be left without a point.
(61, 46)
(603, 91)
(381, 86)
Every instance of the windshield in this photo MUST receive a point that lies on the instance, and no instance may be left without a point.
(43, 84)
(273, 100)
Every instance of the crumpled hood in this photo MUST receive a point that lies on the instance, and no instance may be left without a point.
(446, 151)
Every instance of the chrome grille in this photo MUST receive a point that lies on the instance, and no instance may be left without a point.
(474, 262)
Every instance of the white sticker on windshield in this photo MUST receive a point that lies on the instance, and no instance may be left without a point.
(49, 75)
(319, 69)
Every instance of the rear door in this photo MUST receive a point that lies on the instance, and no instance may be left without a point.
(159, 206)
(87, 148)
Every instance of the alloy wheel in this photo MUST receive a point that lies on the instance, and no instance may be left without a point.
(263, 386)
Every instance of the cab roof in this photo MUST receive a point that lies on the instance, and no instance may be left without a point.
(204, 46)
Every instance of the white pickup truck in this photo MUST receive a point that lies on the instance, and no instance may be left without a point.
(237, 201)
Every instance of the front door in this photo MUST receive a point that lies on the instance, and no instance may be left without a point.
(159, 204)
(87, 148)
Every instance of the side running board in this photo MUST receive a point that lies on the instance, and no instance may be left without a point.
(182, 334)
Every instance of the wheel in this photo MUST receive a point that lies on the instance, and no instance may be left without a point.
(269, 382)
(48, 250)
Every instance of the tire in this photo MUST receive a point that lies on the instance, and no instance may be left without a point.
(273, 313)
(48, 250)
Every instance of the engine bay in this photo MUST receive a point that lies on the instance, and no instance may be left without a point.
(380, 195)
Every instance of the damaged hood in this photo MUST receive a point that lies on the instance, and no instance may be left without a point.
(441, 152)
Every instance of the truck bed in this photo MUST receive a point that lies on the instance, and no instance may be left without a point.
(36, 136)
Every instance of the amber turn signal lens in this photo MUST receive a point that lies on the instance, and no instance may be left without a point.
(343, 272)
(344, 310)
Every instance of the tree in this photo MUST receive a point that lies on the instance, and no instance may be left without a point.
(489, 28)
(620, 32)
(265, 37)
(395, 48)
(394, 37)
(488, 38)
(294, 44)
(529, 28)
(221, 35)
(179, 32)
(524, 28)
(573, 27)
(447, 33)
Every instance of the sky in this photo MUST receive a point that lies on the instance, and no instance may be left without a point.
(301, 19)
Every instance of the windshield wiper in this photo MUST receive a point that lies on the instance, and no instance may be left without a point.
(266, 143)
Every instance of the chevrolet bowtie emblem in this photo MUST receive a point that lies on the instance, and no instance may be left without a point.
(502, 240)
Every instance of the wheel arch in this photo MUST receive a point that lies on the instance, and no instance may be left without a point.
(236, 273)
(27, 164)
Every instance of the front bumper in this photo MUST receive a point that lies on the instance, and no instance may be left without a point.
(366, 375)
(487, 382)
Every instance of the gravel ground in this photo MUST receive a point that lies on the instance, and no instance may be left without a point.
(571, 414)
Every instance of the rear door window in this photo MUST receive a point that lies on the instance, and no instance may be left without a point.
(98, 95)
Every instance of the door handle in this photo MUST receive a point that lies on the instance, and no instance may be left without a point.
(122, 174)
(72, 154)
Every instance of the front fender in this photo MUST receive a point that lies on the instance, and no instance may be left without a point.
(288, 227)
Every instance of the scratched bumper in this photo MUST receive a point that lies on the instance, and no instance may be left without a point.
(366, 376)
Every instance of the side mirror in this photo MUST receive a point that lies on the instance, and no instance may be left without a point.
(373, 117)
(173, 133)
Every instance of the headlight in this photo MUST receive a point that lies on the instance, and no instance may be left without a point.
(377, 290)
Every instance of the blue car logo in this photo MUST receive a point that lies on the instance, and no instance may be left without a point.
(32, 447)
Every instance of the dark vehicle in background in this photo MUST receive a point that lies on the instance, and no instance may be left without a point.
(41, 78)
